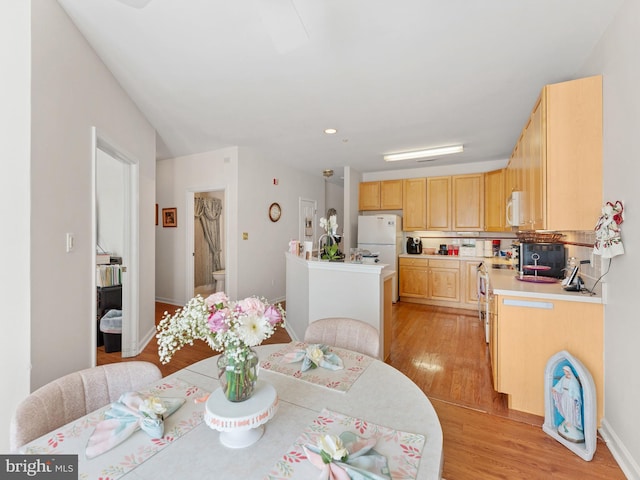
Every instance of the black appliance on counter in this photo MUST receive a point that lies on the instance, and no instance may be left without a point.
(552, 255)
(414, 245)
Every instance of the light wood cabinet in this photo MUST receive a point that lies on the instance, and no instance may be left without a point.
(439, 203)
(493, 340)
(444, 280)
(380, 195)
(529, 331)
(557, 162)
(470, 282)
(391, 195)
(369, 196)
(414, 204)
(495, 201)
(413, 277)
(468, 202)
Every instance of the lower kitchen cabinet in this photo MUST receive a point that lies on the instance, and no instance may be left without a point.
(414, 277)
(444, 280)
(529, 331)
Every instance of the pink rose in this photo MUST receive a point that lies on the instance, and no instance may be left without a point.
(273, 315)
(217, 321)
(251, 306)
(218, 298)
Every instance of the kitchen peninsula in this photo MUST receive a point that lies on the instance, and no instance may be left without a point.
(318, 289)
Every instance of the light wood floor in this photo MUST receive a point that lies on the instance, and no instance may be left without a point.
(443, 351)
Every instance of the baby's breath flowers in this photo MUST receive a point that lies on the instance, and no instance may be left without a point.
(223, 324)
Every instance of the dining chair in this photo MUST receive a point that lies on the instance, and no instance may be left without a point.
(346, 333)
(74, 395)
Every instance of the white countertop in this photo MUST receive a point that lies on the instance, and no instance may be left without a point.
(504, 282)
(445, 257)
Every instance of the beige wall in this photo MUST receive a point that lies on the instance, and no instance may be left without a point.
(617, 58)
(72, 91)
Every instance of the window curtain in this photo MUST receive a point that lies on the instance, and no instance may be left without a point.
(208, 211)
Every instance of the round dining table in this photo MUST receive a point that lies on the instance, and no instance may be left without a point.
(366, 398)
(381, 394)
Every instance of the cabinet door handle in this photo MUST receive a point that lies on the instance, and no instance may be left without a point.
(528, 304)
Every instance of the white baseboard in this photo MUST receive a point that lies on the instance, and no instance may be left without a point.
(627, 463)
(150, 335)
(170, 301)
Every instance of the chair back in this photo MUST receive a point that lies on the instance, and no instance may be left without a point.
(74, 395)
(346, 333)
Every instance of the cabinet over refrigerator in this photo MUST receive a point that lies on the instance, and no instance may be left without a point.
(382, 234)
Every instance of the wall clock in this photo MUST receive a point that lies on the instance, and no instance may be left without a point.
(275, 212)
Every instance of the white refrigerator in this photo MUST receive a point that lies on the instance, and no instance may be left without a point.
(382, 234)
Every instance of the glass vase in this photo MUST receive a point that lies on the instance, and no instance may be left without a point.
(238, 373)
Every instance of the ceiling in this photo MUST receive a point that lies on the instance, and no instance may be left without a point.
(388, 75)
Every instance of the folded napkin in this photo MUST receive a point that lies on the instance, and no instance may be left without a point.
(348, 457)
(132, 411)
(314, 356)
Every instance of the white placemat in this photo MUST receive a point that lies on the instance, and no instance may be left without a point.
(402, 449)
(72, 438)
(339, 380)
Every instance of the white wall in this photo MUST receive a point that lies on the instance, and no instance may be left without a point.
(617, 58)
(110, 203)
(72, 91)
(216, 170)
(254, 266)
(261, 261)
(15, 322)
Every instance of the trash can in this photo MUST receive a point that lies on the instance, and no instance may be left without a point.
(111, 328)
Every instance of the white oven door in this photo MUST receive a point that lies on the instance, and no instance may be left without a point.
(484, 303)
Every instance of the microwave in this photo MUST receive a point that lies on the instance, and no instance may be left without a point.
(553, 255)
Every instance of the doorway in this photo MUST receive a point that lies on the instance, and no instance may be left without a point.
(115, 236)
(206, 229)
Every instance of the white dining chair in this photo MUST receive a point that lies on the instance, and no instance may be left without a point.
(74, 395)
(346, 333)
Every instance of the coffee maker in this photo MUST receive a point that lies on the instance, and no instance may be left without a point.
(414, 245)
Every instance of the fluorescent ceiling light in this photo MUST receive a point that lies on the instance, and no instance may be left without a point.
(431, 152)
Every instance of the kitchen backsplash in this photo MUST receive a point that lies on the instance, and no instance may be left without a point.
(579, 244)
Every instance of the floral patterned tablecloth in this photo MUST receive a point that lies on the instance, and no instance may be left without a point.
(72, 438)
(403, 450)
(339, 380)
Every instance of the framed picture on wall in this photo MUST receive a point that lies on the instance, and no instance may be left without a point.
(170, 217)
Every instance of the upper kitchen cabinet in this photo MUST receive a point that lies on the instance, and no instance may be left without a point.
(495, 200)
(382, 195)
(439, 203)
(468, 202)
(557, 162)
(414, 204)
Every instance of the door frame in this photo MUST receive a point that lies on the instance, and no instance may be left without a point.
(190, 237)
(131, 234)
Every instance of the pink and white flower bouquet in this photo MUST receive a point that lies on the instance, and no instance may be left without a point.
(225, 325)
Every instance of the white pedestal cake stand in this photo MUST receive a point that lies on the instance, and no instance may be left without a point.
(241, 423)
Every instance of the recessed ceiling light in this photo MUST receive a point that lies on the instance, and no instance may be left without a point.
(430, 152)
(330, 131)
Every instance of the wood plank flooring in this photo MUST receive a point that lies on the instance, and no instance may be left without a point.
(443, 351)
